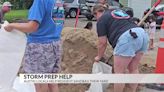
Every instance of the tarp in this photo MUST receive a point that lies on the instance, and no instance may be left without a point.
(100, 68)
(12, 48)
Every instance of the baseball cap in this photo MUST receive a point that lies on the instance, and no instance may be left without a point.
(7, 4)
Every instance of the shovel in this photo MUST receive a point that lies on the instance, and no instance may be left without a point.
(149, 12)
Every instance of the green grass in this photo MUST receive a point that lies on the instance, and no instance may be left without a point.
(16, 14)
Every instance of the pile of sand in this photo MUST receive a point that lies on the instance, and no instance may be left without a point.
(79, 50)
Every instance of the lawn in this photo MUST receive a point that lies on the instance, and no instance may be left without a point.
(16, 14)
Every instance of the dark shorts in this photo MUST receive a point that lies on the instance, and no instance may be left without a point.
(42, 57)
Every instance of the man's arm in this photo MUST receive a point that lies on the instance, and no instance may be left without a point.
(29, 27)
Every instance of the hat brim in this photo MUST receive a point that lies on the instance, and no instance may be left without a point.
(8, 5)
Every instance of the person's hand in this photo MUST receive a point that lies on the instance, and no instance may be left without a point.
(97, 59)
(8, 28)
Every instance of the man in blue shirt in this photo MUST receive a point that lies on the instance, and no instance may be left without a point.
(43, 51)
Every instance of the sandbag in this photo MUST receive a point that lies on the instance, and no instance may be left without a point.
(12, 48)
(23, 87)
(100, 68)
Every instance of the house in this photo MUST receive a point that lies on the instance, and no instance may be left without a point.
(139, 6)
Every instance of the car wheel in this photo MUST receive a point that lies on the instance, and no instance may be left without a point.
(73, 13)
(89, 17)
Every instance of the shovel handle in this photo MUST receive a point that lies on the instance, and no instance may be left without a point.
(77, 18)
(157, 3)
(149, 12)
(144, 18)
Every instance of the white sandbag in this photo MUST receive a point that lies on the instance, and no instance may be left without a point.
(100, 68)
(12, 48)
(95, 87)
(23, 87)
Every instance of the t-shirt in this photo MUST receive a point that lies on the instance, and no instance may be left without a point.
(50, 16)
(112, 24)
